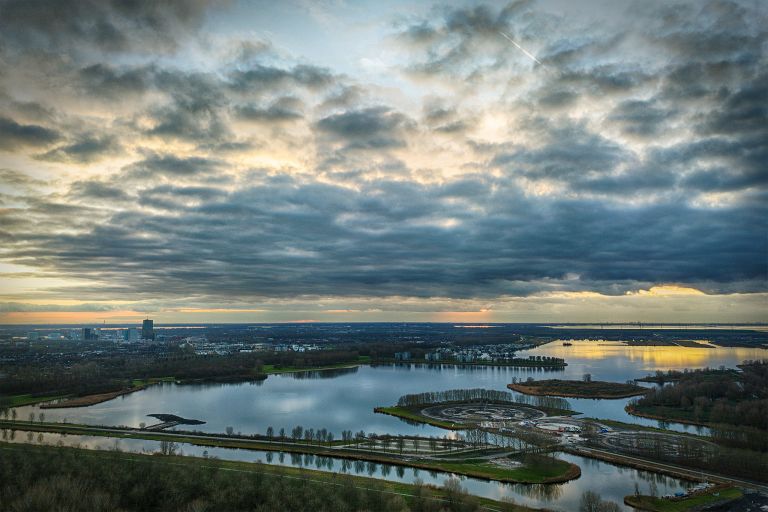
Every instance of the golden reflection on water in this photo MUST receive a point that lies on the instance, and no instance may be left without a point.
(656, 358)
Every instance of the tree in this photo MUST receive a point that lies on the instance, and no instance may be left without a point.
(591, 502)
(587, 377)
(270, 432)
(168, 447)
(230, 431)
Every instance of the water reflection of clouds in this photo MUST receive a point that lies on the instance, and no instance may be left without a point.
(293, 404)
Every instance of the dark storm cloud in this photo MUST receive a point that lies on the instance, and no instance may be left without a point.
(643, 118)
(105, 80)
(15, 307)
(106, 25)
(14, 135)
(284, 109)
(285, 239)
(13, 178)
(92, 189)
(88, 149)
(568, 152)
(636, 181)
(637, 122)
(170, 166)
(371, 128)
(260, 77)
(453, 40)
(196, 111)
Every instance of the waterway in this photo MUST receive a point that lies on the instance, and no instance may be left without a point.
(344, 399)
(612, 482)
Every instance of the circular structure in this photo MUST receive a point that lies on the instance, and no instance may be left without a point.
(478, 412)
(653, 442)
(560, 425)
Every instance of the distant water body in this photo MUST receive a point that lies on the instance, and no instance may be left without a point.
(344, 399)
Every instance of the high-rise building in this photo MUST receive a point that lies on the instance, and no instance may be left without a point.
(148, 329)
(90, 334)
(131, 334)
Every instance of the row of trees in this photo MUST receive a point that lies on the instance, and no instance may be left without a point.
(716, 396)
(481, 395)
(455, 395)
(110, 373)
(50, 478)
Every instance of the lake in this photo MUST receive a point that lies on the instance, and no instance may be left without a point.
(344, 399)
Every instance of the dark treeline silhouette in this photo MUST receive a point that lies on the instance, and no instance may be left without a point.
(114, 373)
(714, 396)
(49, 478)
(455, 395)
(693, 453)
(480, 395)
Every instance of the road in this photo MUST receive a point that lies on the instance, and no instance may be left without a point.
(675, 470)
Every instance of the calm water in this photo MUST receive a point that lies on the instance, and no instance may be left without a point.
(344, 399)
(610, 481)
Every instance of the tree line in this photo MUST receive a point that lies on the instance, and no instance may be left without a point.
(481, 395)
(51, 478)
(715, 396)
(111, 373)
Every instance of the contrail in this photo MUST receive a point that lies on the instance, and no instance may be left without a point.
(520, 47)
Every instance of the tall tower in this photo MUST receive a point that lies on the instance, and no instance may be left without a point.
(148, 329)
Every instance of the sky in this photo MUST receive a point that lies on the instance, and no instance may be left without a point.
(249, 161)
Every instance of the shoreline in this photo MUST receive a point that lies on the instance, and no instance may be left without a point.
(222, 441)
(330, 478)
(634, 412)
(543, 391)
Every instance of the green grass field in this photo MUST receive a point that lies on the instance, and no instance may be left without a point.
(537, 470)
(652, 504)
(326, 478)
(22, 400)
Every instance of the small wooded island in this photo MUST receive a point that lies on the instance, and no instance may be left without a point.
(578, 388)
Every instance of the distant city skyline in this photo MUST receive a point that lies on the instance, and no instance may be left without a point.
(238, 161)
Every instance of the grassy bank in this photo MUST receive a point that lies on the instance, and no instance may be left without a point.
(30, 399)
(719, 495)
(270, 369)
(620, 425)
(414, 414)
(578, 389)
(662, 413)
(153, 482)
(97, 398)
(538, 472)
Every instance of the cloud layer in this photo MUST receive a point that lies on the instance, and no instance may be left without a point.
(156, 155)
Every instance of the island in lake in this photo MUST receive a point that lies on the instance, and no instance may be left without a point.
(578, 388)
